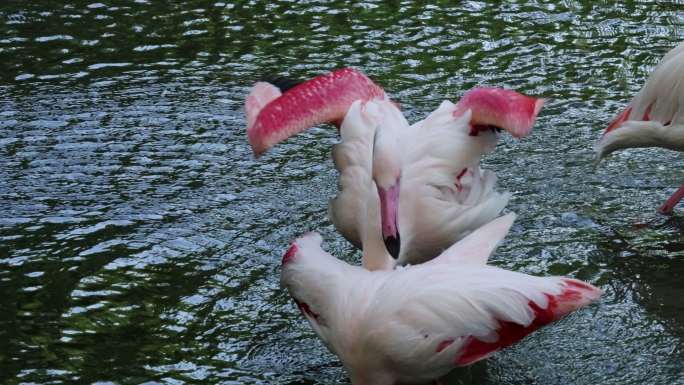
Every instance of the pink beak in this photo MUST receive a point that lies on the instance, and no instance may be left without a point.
(389, 209)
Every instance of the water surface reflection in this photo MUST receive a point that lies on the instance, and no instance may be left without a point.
(140, 239)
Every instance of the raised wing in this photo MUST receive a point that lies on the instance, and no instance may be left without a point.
(444, 133)
(442, 166)
(272, 117)
(501, 108)
(432, 318)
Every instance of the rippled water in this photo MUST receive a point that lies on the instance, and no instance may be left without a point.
(140, 240)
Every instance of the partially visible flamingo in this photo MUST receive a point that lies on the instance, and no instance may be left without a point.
(415, 324)
(654, 118)
(407, 192)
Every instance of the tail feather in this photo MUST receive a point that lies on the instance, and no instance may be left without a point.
(478, 245)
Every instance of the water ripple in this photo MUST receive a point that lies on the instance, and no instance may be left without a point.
(137, 231)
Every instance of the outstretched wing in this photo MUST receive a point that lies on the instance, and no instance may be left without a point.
(273, 117)
(434, 317)
(442, 167)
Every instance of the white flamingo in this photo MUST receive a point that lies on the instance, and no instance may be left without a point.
(407, 192)
(654, 118)
(415, 324)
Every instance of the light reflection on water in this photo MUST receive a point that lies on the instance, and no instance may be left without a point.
(140, 240)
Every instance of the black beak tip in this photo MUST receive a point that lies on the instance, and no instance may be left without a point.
(392, 245)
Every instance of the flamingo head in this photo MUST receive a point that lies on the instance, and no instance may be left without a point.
(387, 178)
(312, 278)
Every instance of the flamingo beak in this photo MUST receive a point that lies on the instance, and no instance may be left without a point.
(389, 208)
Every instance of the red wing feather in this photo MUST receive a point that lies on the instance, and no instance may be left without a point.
(323, 99)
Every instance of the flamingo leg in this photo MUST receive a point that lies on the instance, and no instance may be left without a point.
(672, 201)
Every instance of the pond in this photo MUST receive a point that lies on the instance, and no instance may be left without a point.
(140, 240)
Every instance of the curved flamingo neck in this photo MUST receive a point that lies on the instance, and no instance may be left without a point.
(375, 255)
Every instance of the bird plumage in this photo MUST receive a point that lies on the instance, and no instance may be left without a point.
(444, 193)
(416, 323)
(431, 167)
(654, 117)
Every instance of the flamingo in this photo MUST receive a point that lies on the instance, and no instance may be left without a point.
(407, 192)
(654, 118)
(414, 324)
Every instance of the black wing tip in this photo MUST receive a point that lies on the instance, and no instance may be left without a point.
(282, 82)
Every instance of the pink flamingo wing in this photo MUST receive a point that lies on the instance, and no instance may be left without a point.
(506, 109)
(323, 99)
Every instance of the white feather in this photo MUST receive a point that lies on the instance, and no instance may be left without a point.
(391, 326)
(433, 211)
(478, 245)
(654, 118)
(661, 100)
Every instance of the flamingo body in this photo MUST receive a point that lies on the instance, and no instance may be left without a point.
(415, 324)
(420, 181)
(654, 117)
(443, 192)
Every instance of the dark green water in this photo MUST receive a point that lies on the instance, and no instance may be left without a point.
(140, 240)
